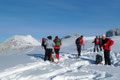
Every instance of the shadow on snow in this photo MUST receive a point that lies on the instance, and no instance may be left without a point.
(37, 55)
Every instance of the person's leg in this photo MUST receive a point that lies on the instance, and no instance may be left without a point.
(44, 47)
(105, 57)
(46, 55)
(108, 57)
(52, 58)
(49, 54)
(57, 56)
(77, 49)
(100, 47)
(80, 51)
(57, 53)
(94, 48)
(97, 47)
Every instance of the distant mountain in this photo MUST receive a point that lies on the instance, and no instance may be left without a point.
(113, 32)
(19, 42)
(70, 35)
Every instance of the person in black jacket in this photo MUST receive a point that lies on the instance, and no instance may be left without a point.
(79, 42)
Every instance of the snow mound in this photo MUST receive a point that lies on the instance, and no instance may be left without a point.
(19, 42)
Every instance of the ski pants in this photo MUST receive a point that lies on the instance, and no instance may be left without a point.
(100, 47)
(96, 47)
(107, 57)
(79, 50)
(48, 54)
(57, 53)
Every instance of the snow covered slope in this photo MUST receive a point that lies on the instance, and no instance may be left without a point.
(18, 42)
(30, 65)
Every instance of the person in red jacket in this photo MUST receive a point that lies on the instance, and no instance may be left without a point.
(57, 42)
(79, 42)
(96, 44)
(106, 44)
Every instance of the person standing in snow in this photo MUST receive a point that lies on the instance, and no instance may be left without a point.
(106, 44)
(100, 41)
(79, 42)
(96, 44)
(49, 47)
(57, 42)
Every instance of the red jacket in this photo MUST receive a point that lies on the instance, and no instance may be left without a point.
(97, 40)
(81, 41)
(107, 45)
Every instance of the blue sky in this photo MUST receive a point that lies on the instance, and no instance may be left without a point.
(58, 17)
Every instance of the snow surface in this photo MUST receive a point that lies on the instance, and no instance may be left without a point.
(28, 64)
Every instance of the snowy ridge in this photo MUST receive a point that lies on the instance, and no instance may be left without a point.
(18, 42)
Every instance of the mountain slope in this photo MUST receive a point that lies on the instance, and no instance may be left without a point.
(18, 42)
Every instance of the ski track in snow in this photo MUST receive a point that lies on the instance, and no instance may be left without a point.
(69, 65)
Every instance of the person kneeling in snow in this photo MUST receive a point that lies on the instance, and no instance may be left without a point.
(49, 47)
(106, 44)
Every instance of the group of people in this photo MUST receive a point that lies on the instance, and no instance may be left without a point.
(49, 45)
(101, 43)
(97, 44)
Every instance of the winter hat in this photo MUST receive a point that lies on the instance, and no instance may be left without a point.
(49, 37)
(56, 37)
(103, 35)
(81, 36)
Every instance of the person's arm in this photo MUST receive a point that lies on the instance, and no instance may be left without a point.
(93, 41)
(60, 42)
(54, 40)
(102, 45)
(111, 43)
(53, 44)
(76, 41)
(45, 42)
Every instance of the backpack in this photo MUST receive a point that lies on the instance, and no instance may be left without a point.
(98, 59)
(78, 41)
(57, 42)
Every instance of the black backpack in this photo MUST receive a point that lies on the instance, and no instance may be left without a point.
(78, 41)
(98, 59)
